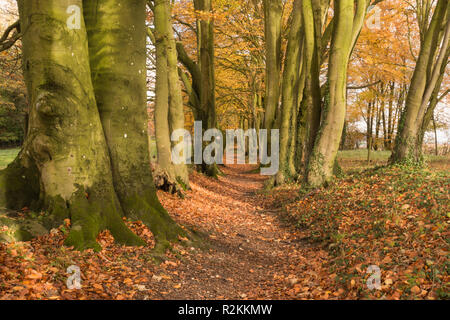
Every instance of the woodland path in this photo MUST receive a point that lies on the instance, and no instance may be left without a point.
(253, 254)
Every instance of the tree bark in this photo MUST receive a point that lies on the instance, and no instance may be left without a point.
(86, 153)
(426, 74)
(165, 167)
(176, 106)
(290, 91)
(322, 159)
(119, 77)
(272, 23)
(312, 98)
(207, 74)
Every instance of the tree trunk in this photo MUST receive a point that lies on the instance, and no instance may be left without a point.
(312, 99)
(162, 131)
(344, 136)
(322, 160)
(176, 106)
(272, 23)
(207, 74)
(86, 154)
(436, 149)
(290, 91)
(169, 114)
(435, 99)
(387, 123)
(378, 124)
(407, 147)
(119, 77)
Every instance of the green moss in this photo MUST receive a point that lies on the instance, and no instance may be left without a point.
(337, 170)
(148, 209)
(78, 240)
(19, 186)
(23, 235)
(92, 214)
(19, 229)
(212, 170)
(183, 185)
(57, 212)
(315, 175)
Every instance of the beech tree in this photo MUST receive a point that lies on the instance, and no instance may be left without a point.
(292, 85)
(311, 104)
(272, 27)
(86, 154)
(423, 95)
(348, 21)
(316, 108)
(169, 108)
(201, 87)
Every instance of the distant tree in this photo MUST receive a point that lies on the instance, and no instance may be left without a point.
(169, 108)
(13, 104)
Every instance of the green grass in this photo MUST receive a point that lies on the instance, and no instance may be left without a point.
(432, 157)
(7, 156)
(361, 154)
(356, 160)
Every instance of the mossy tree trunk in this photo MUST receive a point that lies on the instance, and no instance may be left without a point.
(432, 60)
(169, 113)
(86, 153)
(176, 106)
(312, 100)
(205, 35)
(346, 28)
(162, 91)
(272, 25)
(314, 13)
(290, 93)
(119, 77)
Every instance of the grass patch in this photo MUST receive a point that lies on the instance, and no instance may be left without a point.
(7, 156)
(353, 161)
(361, 154)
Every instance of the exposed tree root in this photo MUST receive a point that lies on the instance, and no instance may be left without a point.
(166, 182)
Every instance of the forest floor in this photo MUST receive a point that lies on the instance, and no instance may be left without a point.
(288, 243)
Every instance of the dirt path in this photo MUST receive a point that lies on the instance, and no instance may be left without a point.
(253, 253)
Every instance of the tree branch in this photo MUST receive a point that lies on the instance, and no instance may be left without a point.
(363, 86)
(7, 42)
